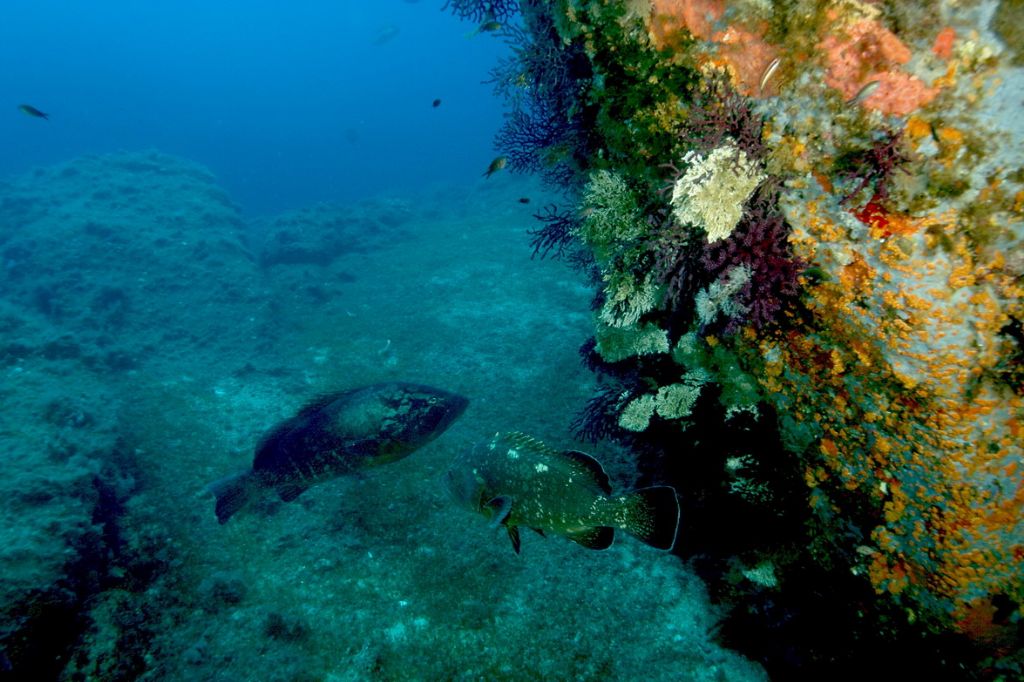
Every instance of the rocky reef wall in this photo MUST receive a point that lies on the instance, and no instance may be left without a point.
(803, 220)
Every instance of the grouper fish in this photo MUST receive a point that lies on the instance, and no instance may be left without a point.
(516, 480)
(337, 434)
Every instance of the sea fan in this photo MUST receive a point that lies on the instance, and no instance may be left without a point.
(480, 11)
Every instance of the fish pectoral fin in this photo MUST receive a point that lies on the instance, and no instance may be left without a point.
(599, 537)
(289, 491)
(501, 507)
(233, 493)
(513, 535)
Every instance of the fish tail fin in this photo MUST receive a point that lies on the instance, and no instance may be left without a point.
(653, 516)
(232, 493)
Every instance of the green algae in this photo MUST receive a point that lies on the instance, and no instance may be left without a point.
(1008, 24)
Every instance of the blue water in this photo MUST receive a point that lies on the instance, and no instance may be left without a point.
(287, 103)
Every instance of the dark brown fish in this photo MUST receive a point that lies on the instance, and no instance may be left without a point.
(338, 434)
(515, 480)
(32, 111)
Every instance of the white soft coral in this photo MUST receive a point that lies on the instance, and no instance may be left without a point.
(714, 188)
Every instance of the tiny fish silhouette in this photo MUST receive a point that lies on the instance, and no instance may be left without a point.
(337, 434)
(486, 27)
(437, 103)
(385, 34)
(32, 111)
(495, 166)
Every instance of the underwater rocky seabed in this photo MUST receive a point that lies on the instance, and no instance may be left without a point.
(149, 334)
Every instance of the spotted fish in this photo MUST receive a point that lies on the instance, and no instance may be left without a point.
(515, 480)
(337, 434)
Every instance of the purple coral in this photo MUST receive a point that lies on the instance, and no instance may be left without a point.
(543, 84)
(480, 11)
(599, 418)
(677, 261)
(525, 136)
(685, 261)
(873, 167)
(555, 233)
(719, 114)
(761, 242)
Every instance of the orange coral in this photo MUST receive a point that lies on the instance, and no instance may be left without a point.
(696, 16)
(749, 55)
(943, 45)
(890, 372)
(741, 49)
(866, 51)
(880, 370)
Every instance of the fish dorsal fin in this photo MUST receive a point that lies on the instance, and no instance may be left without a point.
(585, 461)
(501, 507)
(319, 402)
(593, 467)
(523, 440)
(600, 537)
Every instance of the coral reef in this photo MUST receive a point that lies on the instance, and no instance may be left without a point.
(862, 51)
(483, 10)
(1006, 23)
(761, 244)
(820, 220)
(545, 131)
(555, 234)
(712, 191)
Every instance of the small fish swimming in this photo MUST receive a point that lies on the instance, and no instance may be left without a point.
(862, 94)
(524, 200)
(385, 34)
(769, 71)
(515, 480)
(337, 434)
(436, 103)
(32, 111)
(496, 166)
(485, 27)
